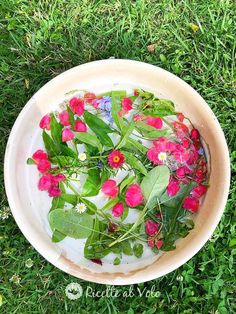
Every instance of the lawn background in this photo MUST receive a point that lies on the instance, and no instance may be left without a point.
(39, 40)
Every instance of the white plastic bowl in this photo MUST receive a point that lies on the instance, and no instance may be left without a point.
(30, 206)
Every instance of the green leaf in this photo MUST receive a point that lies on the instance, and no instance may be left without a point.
(138, 249)
(135, 145)
(154, 184)
(116, 261)
(71, 223)
(99, 127)
(50, 146)
(134, 162)
(125, 213)
(126, 248)
(96, 123)
(91, 207)
(160, 108)
(64, 161)
(90, 139)
(126, 136)
(56, 130)
(71, 116)
(70, 198)
(116, 107)
(149, 131)
(67, 151)
(110, 204)
(92, 239)
(57, 236)
(126, 181)
(57, 202)
(30, 161)
(92, 184)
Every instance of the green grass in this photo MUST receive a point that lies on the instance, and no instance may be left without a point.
(40, 39)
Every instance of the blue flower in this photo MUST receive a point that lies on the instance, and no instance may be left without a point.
(99, 165)
(201, 151)
(105, 104)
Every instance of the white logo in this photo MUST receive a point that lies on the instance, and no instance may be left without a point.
(74, 291)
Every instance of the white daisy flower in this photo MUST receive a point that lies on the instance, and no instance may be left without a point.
(80, 208)
(82, 156)
(162, 156)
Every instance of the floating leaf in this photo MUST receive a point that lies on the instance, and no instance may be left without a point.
(138, 249)
(71, 223)
(126, 181)
(90, 139)
(51, 148)
(99, 127)
(154, 184)
(134, 162)
(92, 184)
(57, 236)
(69, 198)
(30, 161)
(126, 135)
(56, 130)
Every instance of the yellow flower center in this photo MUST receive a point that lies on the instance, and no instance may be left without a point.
(116, 158)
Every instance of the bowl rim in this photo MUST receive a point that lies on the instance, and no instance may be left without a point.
(97, 279)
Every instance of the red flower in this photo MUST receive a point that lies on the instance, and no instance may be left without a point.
(154, 122)
(199, 190)
(116, 159)
(118, 210)
(43, 165)
(39, 155)
(45, 182)
(45, 122)
(151, 227)
(173, 187)
(77, 105)
(195, 135)
(64, 118)
(138, 118)
(67, 135)
(191, 203)
(150, 243)
(152, 155)
(110, 188)
(180, 117)
(159, 244)
(54, 192)
(126, 104)
(80, 126)
(133, 195)
(89, 97)
(182, 171)
(59, 178)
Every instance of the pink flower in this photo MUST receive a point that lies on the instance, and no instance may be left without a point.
(180, 117)
(67, 135)
(64, 118)
(77, 105)
(39, 155)
(126, 104)
(94, 103)
(185, 143)
(162, 144)
(59, 178)
(150, 243)
(43, 165)
(152, 155)
(89, 97)
(45, 122)
(54, 192)
(80, 126)
(138, 118)
(199, 190)
(116, 159)
(159, 244)
(45, 182)
(191, 203)
(173, 187)
(200, 175)
(151, 227)
(133, 195)
(154, 122)
(195, 135)
(118, 210)
(110, 188)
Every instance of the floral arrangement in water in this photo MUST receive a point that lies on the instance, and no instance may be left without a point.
(135, 152)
